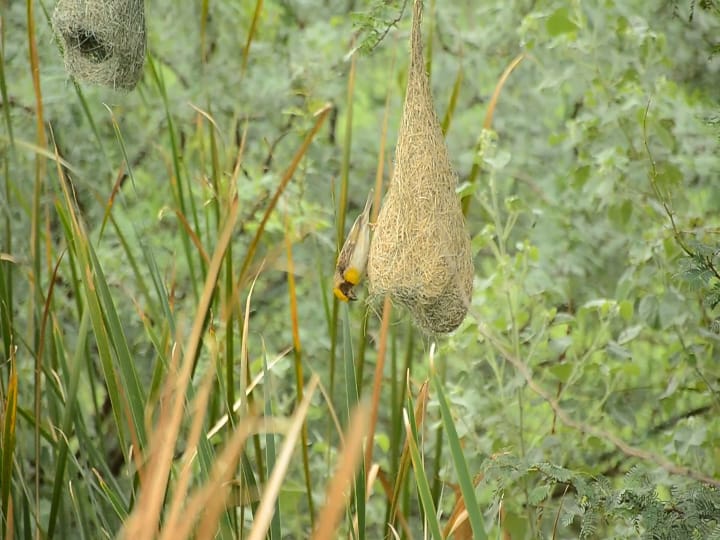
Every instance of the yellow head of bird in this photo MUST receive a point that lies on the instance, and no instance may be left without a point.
(353, 256)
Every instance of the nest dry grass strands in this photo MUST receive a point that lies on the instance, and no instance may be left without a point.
(420, 253)
(103, 41)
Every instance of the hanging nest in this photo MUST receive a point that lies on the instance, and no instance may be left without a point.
(103, 40)
(420, 254)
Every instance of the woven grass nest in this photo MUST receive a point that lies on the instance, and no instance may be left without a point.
(420, 254)
(103, 40)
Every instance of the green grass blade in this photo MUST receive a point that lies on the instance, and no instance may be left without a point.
(67, 421)
(7, 448)
(135, 395)
(88, 115)
(6, 311)
(78, 241)
(421, 480)
(342, 210)
(450, 111)
(351, 401)
(165, 313)
(439, 446)
(103, 481)
(461, 468)
(3, 88)
(82, 530)
(178, 175)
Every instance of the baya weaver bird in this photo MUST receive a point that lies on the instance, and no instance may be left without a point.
(353, 256)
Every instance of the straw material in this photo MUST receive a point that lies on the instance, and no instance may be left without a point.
(420, 253)
(103, 40)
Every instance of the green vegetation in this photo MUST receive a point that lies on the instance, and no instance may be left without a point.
(173, 362)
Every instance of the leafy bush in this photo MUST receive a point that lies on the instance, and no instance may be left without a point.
(173, 361)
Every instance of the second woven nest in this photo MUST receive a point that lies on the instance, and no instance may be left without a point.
(103, 40)
(420, 254)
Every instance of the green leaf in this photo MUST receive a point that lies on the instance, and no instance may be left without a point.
(499, 160)
(626, 310)
(562, 371)
(648, 310)
(539, 493)
(559, 23)
(7, 448)
(461, 468)
(620, 213)
(421, 479)
(690, 435)
(617, 351)
(668, 176)
(581, 176)
(560, 345)
(629, 334)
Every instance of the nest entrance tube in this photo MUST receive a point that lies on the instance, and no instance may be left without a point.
(103, 41)
(420, 253)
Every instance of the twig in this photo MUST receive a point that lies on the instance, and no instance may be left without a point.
(390, 24)
(661, 196)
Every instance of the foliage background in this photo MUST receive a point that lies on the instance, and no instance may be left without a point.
(594, 221)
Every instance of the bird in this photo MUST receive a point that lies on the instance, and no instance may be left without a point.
(352, 260)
